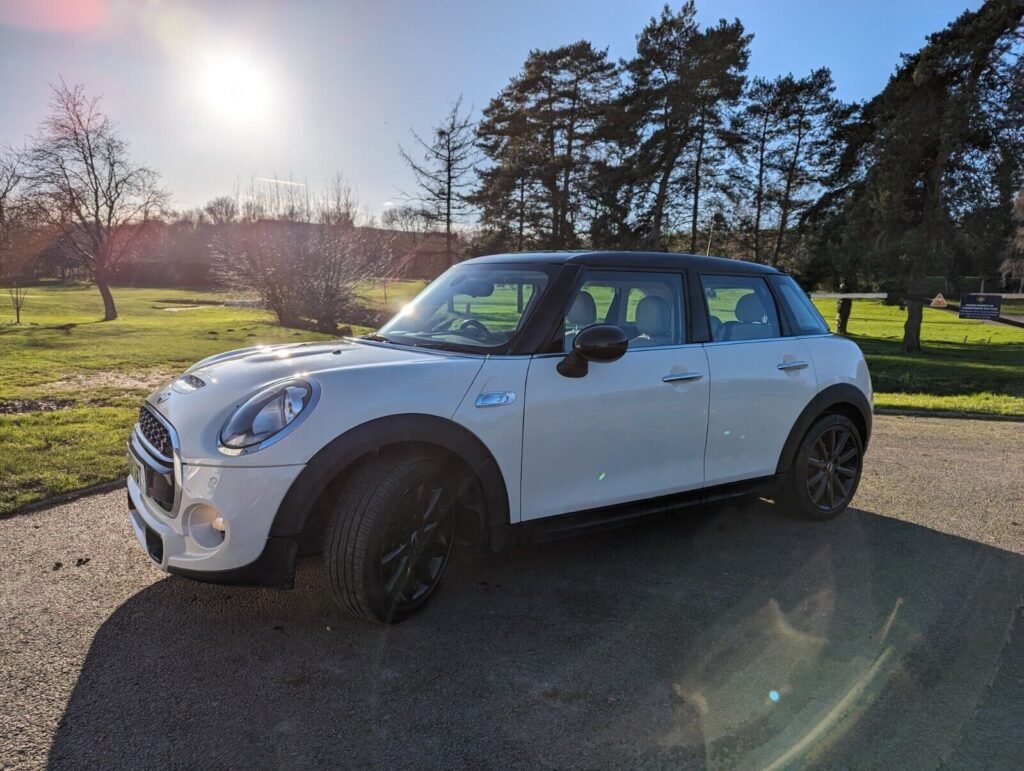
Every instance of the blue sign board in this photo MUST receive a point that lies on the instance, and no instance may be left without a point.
(980, 306)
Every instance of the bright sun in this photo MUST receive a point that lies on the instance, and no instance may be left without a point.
(235, 88)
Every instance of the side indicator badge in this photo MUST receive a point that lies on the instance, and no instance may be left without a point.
(495, 398)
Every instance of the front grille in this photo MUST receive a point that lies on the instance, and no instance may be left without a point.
(155, 433)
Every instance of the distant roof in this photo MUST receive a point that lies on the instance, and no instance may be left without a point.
(661, 260)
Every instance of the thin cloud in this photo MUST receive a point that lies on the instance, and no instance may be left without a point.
(280, 182)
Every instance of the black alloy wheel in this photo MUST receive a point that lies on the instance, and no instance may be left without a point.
(416, 545)
(390, 536)
(826, 470)
(833, 467)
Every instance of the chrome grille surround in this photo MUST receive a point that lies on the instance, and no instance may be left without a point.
(156, 433)
(155, 443)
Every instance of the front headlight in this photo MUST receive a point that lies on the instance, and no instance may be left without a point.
(265, 416)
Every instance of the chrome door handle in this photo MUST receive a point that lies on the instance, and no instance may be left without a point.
(682, 377)
(786, 365)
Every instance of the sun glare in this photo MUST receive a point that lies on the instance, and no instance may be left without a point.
(236, 89)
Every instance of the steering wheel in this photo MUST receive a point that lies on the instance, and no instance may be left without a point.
(477, 326)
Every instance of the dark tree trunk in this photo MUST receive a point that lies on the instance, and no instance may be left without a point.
(696, 185)
(109, 309)
(759, 195)
(449, 191)
(659, 206)
(912, 327)
(521, 224)
(843, 306)
(787, 199)
(661, 198)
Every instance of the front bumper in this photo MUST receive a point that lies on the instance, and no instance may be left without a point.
(184, 541)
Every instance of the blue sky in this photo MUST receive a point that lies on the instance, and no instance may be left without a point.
(213, 93)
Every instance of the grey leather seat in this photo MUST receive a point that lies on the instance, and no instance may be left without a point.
(653, 322)
(583, 313)
(716, 328)
(751, 320)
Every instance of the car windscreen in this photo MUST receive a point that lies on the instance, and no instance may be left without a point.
(470, 307)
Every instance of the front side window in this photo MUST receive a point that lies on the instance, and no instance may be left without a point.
(648, 307)
(740, 308)
(469, 307)
(806, 318)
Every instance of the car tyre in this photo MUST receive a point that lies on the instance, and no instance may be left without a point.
(826, 469)
(390, 537)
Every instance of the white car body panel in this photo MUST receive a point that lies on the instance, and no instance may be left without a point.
(246, 501)
(500, 426)
(754, 405)
(838, 360)
(359, 382)
(618, 434)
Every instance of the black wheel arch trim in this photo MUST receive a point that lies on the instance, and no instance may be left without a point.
(826, 399)
(363, 439)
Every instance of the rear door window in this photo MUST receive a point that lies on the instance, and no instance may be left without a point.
(740, 308)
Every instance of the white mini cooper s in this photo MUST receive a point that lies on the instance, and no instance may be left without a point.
(517, 398)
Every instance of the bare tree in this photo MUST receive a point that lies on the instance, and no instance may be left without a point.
(11, 176)
(445, 171)
(222, 210)
(82, 181)
(339, 204)
(308, 274)
(407, 219)
(12, 256)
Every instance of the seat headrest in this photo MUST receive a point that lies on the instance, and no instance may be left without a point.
(583, 311)
(750, 310)
(653, 317)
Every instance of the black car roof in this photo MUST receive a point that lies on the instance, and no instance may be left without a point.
(639, 260)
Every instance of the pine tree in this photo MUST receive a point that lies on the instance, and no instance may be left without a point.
(540, 136)
(900, 205)
(683, 83)
(788, 131)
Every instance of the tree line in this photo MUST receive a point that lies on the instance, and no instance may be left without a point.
(676, 147)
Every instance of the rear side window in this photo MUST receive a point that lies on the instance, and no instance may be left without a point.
(740, 308)
(805, 317)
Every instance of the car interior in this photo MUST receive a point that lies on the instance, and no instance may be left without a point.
(752, 321)
(649, 312)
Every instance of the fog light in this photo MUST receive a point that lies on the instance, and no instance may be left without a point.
(205, 526)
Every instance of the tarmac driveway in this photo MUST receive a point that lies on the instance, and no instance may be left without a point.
(734, 637)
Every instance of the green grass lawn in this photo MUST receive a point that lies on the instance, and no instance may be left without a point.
(97, 373)
(70, 386)
(1013, 307)
(966, 366)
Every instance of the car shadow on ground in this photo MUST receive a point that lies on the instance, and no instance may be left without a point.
(730, 638)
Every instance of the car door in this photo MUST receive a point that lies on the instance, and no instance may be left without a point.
(629, 429)
(761, 380)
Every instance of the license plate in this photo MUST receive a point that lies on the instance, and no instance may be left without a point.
(136, 471)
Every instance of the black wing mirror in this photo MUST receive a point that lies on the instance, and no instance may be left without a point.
(598, 342)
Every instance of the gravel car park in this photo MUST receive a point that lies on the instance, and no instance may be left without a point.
(892, 636)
